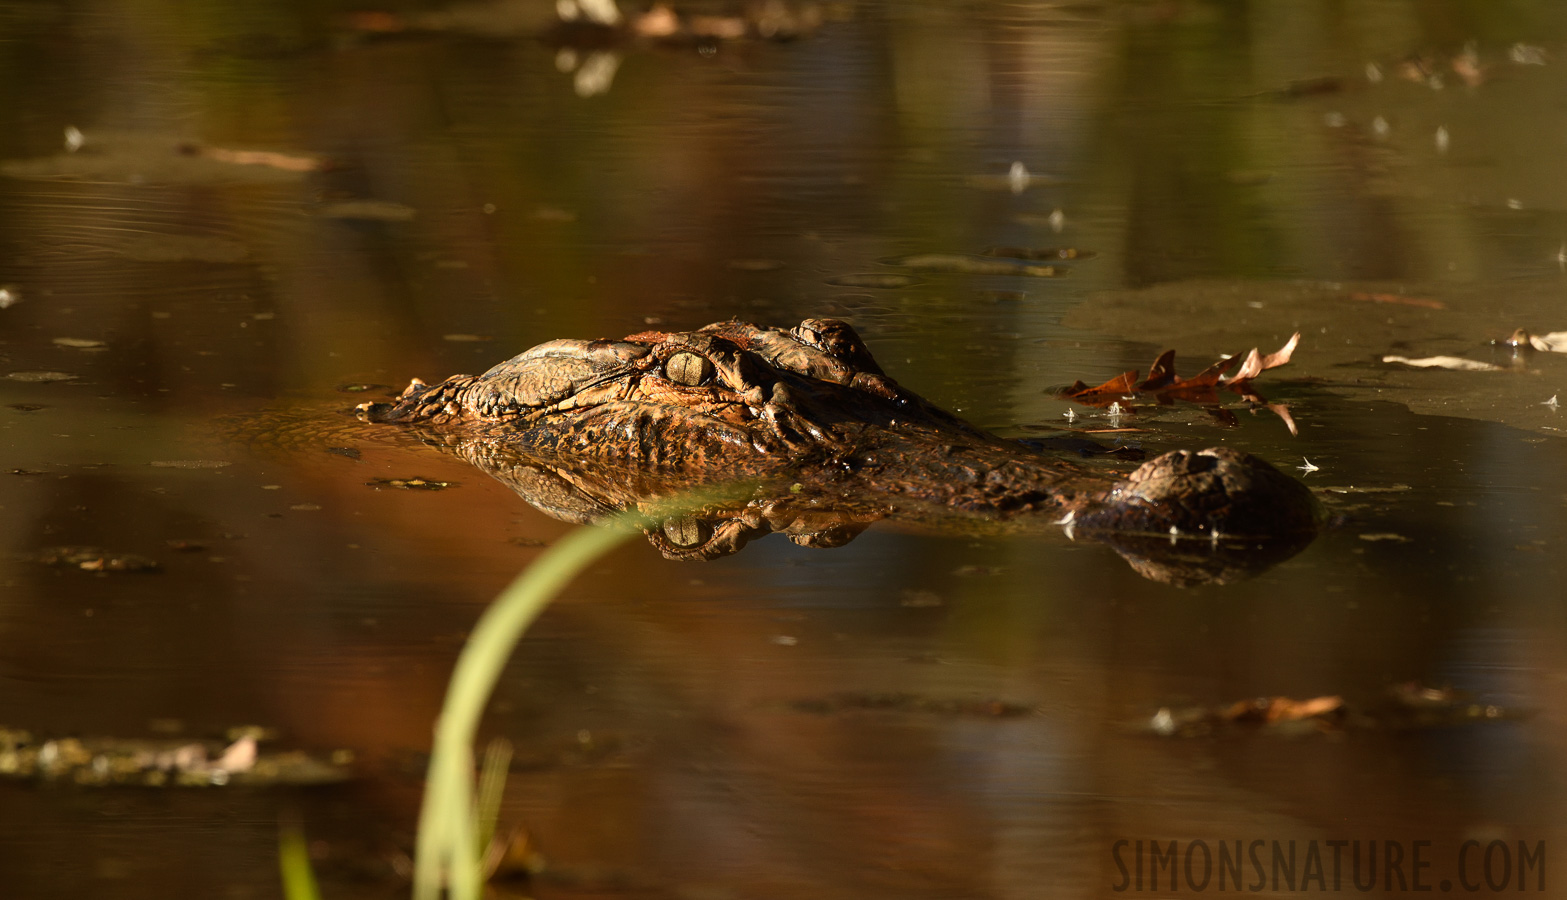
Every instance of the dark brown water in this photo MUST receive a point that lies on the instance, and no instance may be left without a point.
(1242, 171)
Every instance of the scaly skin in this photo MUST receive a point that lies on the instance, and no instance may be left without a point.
(624, 420)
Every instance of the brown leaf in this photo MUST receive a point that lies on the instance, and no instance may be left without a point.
(1213, 374)
(1161, 373)
(1256, 363)
(1124, 383)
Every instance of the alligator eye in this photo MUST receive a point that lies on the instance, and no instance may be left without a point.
(688, 368)
(684, 531)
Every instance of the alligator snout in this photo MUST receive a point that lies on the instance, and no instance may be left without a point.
(1217, 492)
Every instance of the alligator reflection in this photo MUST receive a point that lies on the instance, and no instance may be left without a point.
(823, 517)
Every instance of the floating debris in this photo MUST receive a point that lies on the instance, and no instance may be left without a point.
(285, 162)
(1527, 55)
(42, 377)
(80, 343)
(151, 158)
(879, 280)
(972, 265)
(360, 388)
(1357, 489)
(190, 463)
(411, 484)
(1456, 363)
(467, 338)
(1385, 536)
(10, 295)
(94, 559)
(918, 599)
(1308, 468)
(1404, 707)
(104, 762)
(1162, 380)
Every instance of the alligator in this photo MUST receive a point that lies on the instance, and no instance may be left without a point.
(827, 444)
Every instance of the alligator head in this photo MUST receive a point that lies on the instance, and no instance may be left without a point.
(585, 428)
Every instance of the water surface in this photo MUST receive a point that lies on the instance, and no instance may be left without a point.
(1240, 172)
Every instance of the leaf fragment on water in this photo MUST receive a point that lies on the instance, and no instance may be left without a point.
(94, 559)
(880, 280)
(973, 265)
(42, 377)
(190, 463)
(80, 343)
(1456, 363)
(283, 161)
(1377, 537)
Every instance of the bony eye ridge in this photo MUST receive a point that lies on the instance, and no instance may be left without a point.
(690, 369)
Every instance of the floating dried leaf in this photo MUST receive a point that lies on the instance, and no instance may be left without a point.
(80, 343)
(1163, 384)
(1256, 364)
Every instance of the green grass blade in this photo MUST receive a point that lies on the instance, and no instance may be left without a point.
(293, 854)
(447, 845)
